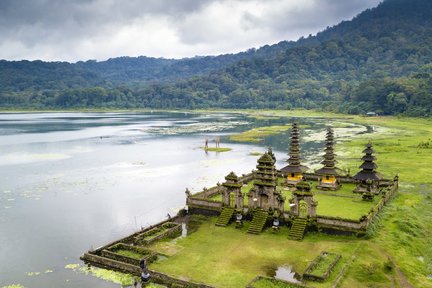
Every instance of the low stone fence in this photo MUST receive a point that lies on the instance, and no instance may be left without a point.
(130, 239)
(193, 202)
(175, 282)
(165, 230)
(209, 192)
(311, 274)
(261, 281)
(337, 223)
(108, 263)
(118, 257)
(385, 197)
(111, 253)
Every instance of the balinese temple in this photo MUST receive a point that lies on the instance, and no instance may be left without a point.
(368, 178)
(294, 170)
(264, 195)
(328, 173)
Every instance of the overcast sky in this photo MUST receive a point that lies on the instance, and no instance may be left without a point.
(72, 30)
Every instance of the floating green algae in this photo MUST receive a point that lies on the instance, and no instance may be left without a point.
(217, 149)
(258, 134)
(104, 274)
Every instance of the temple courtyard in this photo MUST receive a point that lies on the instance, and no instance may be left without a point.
(230, 257)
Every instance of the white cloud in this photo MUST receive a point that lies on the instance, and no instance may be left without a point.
(100, 29)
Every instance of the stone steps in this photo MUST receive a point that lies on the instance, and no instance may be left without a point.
(225, 216)
(297, 229)
(258, 221)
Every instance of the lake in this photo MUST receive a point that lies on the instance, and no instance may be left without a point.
(70, 182)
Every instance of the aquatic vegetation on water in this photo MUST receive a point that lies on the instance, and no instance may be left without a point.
(104, 274)
(217, 149)
(194, 128)
(13, 286)
(257, 134)
(72, 266)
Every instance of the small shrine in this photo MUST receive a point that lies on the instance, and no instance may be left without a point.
(303, 204)
(328, 173)
(368, 179)
(263, 194)
(294, 171)
(232, 186)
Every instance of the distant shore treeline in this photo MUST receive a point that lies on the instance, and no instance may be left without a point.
(380, 61)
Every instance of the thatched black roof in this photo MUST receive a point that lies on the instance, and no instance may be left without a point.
(368, 158)
(295, 169)
(368, 175)
(369, 166)
(327, 171)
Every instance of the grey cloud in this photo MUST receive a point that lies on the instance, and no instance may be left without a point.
(320, 14)
(86, 15)
(66, 25)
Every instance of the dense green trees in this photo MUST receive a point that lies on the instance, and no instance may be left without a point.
(380, 61)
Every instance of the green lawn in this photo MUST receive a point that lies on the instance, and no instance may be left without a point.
(218, 255)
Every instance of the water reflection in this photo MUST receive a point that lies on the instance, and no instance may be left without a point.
(285, 273)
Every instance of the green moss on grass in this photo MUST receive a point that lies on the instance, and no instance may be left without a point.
(129, 253)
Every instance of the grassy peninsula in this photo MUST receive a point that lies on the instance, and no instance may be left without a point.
(397, 251)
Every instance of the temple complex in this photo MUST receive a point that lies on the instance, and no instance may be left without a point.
(328, 173)
(311, 206)
(294, 171)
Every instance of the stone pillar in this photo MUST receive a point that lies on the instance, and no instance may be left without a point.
(226, 197)
(251, 195)
(238, 199)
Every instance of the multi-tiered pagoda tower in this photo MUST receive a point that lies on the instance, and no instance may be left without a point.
(328, 173)
(368, 178)
(264, 195)
(294, 170)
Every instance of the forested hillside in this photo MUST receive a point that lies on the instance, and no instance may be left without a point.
(380, 61)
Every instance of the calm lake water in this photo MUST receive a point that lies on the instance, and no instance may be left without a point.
(70, 182)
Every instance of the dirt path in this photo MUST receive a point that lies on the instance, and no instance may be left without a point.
(347, 265)
(403, 281)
